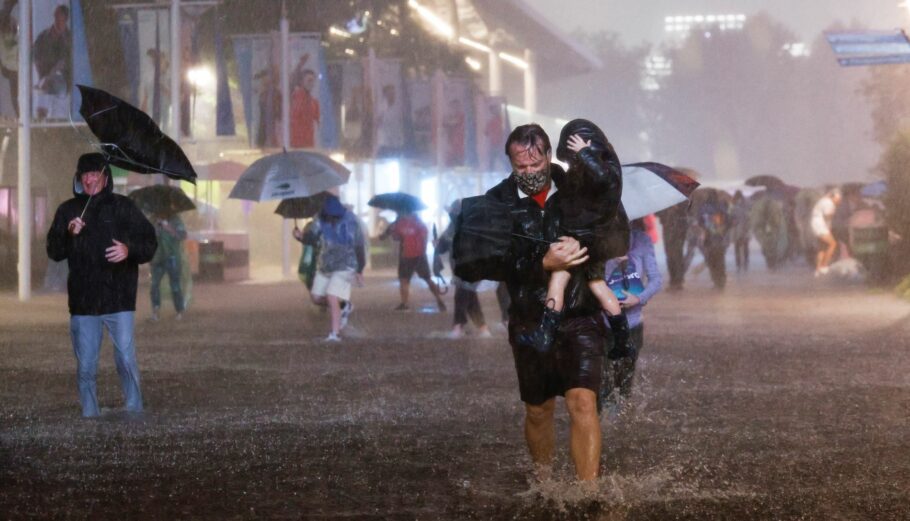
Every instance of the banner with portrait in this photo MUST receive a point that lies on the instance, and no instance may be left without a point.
(420, 97)
(458, 128)
(259, 76)
(387, 90)
(145, 36)
(355, 108)
(59, 58)
(9, 63)
(492, 131)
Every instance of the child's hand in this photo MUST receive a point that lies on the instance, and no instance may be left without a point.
(576, 143)
(630, 300)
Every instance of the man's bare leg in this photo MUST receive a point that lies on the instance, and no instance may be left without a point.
(404, 290)
(540, 435)
(584, 432)
(335, 313)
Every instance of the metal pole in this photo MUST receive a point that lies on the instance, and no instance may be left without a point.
(531, 83)
(285, 128)
(25, 151)
(495, 64)
(176, 70)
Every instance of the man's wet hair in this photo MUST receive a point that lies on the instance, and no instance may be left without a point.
(530, 135)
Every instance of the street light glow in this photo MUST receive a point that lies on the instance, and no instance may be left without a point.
(200, 76)
(474, 45)
(438, 23)
(514, 60)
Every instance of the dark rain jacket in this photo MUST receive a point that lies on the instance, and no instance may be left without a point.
(521, 267)
(591, 207)
(95, 285)
(591, 193)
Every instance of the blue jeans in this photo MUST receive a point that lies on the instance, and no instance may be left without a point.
(86, 332)
(171, 266)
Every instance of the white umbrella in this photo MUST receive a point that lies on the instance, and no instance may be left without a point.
(289, 174)
(651, 187)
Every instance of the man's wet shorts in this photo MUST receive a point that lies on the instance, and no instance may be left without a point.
(575, 360)
(337, 283)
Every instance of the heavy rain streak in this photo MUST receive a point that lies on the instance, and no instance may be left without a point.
(454, 259)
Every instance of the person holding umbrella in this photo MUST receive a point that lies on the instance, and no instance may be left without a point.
(341, 260)
(410, 231)
(104, 237)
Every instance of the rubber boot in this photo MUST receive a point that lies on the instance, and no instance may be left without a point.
(542, 338)
(623, 346)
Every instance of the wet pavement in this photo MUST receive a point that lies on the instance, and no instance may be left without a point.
(783, 397)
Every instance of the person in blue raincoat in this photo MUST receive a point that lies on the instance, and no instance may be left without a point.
(340, 264)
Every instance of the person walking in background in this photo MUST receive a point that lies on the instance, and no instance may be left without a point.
(306, 267)
(170, 232)
(342, 257)
(741, 232)
(467, 304)
(104, 238)
(634, 278)
(675, 224)
(410, 231)
(822, 214)
(851, 201)
(713, 221)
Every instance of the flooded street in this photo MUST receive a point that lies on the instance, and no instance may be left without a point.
(782, 398)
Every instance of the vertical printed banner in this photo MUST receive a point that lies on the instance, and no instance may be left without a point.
(311, 122)
(224, 109)
(9, 62)
(154, 39)
(82, 67)
(52, 60)
(387, 89)
(458, 127)
(420, 97)
(305, 83)
(492, 132)
(265, 125)
(145, 35)
(356, 110)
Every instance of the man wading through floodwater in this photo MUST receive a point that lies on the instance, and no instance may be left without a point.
(572, 368)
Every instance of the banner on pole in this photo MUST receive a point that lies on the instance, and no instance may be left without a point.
(59, 30)
(259, 75)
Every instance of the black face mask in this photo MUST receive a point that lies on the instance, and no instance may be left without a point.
(532, 183)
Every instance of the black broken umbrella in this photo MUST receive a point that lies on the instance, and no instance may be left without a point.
(130, 138)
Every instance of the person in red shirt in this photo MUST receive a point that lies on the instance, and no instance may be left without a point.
(304, 111)
(412, 256)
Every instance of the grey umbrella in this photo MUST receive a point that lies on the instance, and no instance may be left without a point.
(289, 174)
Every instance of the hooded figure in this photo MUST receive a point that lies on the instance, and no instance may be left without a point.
(104, 238)
(592, 211)
(95, 285)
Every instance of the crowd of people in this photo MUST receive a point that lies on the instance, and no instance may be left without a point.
(790, 224)
(573, 272)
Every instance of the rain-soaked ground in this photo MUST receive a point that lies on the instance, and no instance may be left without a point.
(781, 398)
